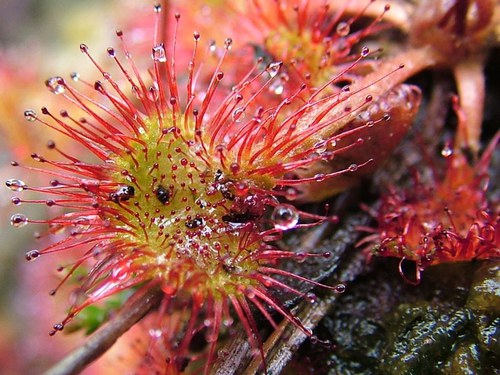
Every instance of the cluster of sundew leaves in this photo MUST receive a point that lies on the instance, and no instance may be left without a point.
(314, 39)
(450, 218)
(187, 192)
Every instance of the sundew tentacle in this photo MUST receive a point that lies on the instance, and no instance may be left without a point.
(184, 192)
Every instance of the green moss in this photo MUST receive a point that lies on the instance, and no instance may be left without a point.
(448, 324)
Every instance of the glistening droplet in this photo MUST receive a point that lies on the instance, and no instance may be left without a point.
(32, 255)
(447, 151)
(15, 184)
(343, 29)
(340, 288)
(30, 115)
(285, 217)
(274, 68)
(158, 53)
(55, 85)
(238, 114)
(18, 220)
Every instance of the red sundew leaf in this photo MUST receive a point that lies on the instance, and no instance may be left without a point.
(181, 190)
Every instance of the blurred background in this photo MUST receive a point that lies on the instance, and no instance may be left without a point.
(38, 39)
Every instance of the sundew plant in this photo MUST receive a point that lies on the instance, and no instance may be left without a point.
(192, 171)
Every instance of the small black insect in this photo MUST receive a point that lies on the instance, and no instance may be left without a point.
(226, 193)
(122, 194)
(163, 194)
(238, 217)
(195, 223)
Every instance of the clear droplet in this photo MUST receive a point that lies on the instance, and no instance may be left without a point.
(32, 255)
(15, 184)
(277, 88)
(320, 146)
(340, 288)
(345, 93)
(238, 114)
(365, 51)
(312, 298)
(153, 94)
(30, 115)
(343, 29)
(155, 333)
(319, 177)
(353, 168)
(212, 46)
(285, 217)
(291, 194)
(75, 76)
(55, 85)
(18, 220)
(447, 151)
(158, 53)
(274, 68)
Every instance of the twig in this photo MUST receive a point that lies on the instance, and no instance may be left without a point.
(131, 312)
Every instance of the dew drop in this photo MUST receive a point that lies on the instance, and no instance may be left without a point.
(300, 256)
(320, 146)
(18, 220)
(208, 322)
(319, 177)
(277, 88)
(153, 94)
(228, 43)
(291, 194)
(274, 68)
(136, 92)
(55, 85)
(312, 298)
(340, 288)
(365, 51)
(155, 333)
(238, 114)
(285, 217)
(15, 185)
(345, 93)
(157, 8)
(158, 53)
(342, 29)
(30, 115)
(353, 168)
(32, 255)
(212, 46)
(447, 151)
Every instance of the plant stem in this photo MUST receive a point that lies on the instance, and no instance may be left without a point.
(132, 311)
